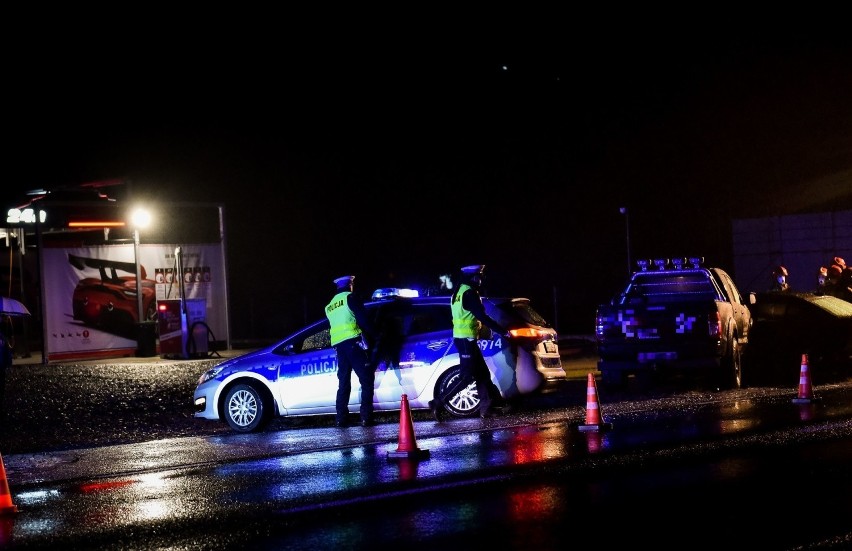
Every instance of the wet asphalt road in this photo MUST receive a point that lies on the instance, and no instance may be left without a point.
(146, 405)
(591, 484)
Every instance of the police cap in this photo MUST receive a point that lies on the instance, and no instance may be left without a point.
(473, 269)
(344, 281)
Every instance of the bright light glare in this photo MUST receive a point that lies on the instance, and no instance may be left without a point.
(141, 218)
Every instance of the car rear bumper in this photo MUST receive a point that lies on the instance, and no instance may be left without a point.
(550, 366)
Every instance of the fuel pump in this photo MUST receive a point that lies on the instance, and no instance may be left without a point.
(182, 321)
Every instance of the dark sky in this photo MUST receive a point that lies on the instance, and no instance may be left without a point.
(401, 156)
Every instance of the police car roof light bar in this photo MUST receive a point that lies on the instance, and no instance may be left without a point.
(390, 292)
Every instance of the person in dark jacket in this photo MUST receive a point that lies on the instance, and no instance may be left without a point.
(822, 280)
(779, 279)
(832, 283)
(348, 324)
(468, 318)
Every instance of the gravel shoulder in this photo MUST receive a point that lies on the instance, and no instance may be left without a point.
(86, 404)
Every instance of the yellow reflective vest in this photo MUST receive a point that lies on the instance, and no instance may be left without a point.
(465, 324)
(341, 318)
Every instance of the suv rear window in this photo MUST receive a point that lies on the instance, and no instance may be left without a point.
(660, 287)
(514, 312)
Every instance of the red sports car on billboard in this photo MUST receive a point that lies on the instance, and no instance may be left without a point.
(109, 302)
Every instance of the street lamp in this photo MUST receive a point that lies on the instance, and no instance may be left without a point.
(623, 210)
(140, 218)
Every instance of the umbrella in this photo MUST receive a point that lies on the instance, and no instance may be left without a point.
(12, 307)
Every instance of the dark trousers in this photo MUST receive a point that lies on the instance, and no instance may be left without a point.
(472, 368)
(351, 357)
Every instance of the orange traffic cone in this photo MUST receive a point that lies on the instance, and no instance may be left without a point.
(407, 447)
(593, 412)
(6, 505)
(806, 389)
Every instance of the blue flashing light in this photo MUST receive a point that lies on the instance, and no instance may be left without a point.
(390, 292)
(409, 293)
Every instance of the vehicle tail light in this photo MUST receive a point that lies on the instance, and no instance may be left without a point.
(714, 325)
(528, 333)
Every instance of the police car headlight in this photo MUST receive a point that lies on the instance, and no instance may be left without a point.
(209, 374)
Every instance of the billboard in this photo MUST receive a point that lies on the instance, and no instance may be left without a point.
(90, 293)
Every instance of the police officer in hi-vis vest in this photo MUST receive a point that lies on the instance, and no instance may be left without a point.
(468, 317)
(348, 320)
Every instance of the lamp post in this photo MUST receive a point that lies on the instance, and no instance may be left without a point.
(623, 210)
(140, 218)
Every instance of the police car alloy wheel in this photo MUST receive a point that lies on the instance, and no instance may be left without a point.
(244, 408)
(466, 402)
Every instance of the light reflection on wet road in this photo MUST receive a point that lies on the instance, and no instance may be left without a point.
(671, 472)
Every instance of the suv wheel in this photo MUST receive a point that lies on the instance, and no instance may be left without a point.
(731, 372)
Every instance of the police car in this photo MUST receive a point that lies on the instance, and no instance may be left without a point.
(414, 355)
